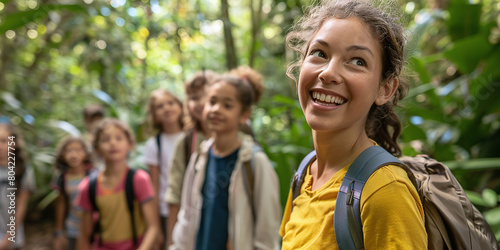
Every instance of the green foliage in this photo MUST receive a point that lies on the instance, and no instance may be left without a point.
(464, 20)
(281, 120)
(56, 59)
(18, 19)
(452, 113)
(488, 199)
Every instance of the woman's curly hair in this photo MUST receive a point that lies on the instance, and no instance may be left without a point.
(382, 124)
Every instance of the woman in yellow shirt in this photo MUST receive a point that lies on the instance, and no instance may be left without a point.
(352, 55)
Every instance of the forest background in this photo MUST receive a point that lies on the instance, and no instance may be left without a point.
(57, 56)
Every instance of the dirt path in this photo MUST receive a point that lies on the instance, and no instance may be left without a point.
(39, 235)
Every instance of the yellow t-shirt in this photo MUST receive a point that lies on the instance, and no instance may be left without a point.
(391, 213)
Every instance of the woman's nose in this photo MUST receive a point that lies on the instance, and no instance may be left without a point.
(331, 72)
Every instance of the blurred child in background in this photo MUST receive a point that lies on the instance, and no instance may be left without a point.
(196, 90)
(165, 114)
(230, 195)
(73, 163)
(92, 115)
(119, 227)
(13, 194)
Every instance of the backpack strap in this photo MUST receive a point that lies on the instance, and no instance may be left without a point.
(249, 177)
(249, 180)
(129, 194)
(190, 144)
(347, 216)
(92, 196)
(158, 143)
(298, 178)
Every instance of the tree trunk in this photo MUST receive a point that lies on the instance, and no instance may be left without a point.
(255, 15)
(178, 39)
(231, 59)
(6, 50)
(147, 13)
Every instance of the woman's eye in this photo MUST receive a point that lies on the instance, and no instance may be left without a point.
(318, 53)
(358, 62)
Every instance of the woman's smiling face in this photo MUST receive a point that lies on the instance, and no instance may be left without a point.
(340, 75)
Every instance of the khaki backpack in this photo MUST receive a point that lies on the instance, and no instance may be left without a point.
(451, 221)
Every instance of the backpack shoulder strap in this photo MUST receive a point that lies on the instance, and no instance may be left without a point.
(129, 193)
(92, 190)
(92, 196)
(298, 178)
(347, 216)
(188, 144)
(158, 143)
(249, 176)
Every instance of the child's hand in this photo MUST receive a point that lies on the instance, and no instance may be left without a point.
(60, 242)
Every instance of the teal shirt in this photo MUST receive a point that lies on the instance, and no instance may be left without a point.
(213, 230)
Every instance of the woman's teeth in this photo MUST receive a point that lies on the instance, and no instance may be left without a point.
(328, 98)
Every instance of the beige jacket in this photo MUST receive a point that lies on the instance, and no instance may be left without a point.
(245, 232)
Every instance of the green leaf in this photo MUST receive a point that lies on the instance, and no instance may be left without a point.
(48, 199)
(18, 19)
(476, 198)
(420, 89)
(418, 66)
(464, 19)
(426, 113)
(284, 100)
(431, 58)
(490, 197)
(412, 132)
(475, 164)
(491, 71)
(492, 216)
(468, 52)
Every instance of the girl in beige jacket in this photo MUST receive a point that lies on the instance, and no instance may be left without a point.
(230, 195)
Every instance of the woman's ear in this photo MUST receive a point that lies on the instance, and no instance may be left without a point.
(386, 91)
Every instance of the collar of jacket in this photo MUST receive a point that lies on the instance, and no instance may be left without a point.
(245, 153)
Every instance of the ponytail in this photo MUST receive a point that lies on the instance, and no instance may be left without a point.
(384, 127)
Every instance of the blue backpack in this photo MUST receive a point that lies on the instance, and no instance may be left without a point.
(451, 221)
